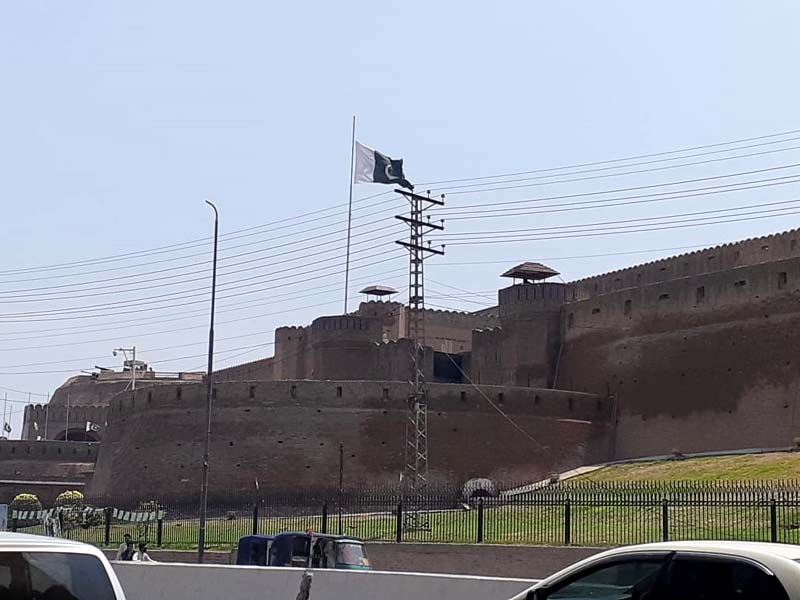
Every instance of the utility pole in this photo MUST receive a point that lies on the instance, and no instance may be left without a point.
(415, 471)
(5, 406)
(341, 484)
(131, 363)
(66, 430)
(201, 535)
(46, 414)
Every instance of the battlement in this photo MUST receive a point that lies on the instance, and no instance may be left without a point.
(340, 323)
(532, 298)
(48, 450)
(360, 395)
(694, 295)
(51, 421)
(262, 369)
(749, 252)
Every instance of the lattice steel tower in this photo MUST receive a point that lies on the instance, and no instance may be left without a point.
(415, 471)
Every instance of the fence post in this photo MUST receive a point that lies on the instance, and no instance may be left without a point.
(665, 520)
(159, 532)
(567, 522)
(325, 517)
(480, 521)
(399, 524)
(107, 532)
(773, 520)
(255, 517)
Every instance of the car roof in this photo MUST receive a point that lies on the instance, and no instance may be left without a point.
(12, 540)
(745, 549)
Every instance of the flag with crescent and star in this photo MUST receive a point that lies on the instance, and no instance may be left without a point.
(374, 167)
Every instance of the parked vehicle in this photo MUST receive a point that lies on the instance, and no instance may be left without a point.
(679, 571)
(293, 549)
(254, 550)
(34, 567)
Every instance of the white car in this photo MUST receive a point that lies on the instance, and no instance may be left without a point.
(34, 567)
(679, 571)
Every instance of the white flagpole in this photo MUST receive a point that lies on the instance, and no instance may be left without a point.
(349, 214)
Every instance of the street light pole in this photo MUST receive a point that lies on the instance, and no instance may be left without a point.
(201, 537)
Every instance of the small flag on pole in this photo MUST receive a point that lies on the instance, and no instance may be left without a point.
(7, 428)
(374, 167)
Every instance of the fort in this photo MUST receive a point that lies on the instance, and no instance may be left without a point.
(697, 352)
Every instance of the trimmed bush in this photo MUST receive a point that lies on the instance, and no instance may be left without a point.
(26, 502)
(72, 503)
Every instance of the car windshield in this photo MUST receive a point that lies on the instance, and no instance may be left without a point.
(53, 576)
(351, 554)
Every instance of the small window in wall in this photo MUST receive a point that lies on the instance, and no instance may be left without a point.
(595, 311)
(294, 391)
(740, 284)
(252, 392)
(627, 308)
(570, 320)
(385, 393)
(338, 391)
(663, 297)
(782, 278)
(700, 294)
(500, 397)
(570, 403)
(765, 247)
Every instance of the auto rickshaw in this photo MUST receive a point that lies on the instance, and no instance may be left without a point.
(254, 550)
(311, 550)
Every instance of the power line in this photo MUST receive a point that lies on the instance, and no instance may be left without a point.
(68, 331)
(161, 298)
(317, 291)
(599, 234)
(223, 259)
(616, 160)
(592, 177)
(470, 208)
(622, 222)
(172, 247)
(115, 288)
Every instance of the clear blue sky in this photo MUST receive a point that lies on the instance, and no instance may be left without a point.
(119, 119)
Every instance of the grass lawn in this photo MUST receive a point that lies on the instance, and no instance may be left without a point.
(615, 513)
(522, 523)
(763, 467)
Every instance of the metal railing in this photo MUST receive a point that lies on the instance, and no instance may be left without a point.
(582, 513)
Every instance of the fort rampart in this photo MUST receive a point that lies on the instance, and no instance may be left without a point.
(287, 434)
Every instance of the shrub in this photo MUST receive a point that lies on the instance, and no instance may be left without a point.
(144, 528)
(73, 505)
(26, 502)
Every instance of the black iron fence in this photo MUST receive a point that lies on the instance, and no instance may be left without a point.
(583, 513)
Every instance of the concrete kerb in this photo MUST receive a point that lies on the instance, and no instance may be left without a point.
(162, 581)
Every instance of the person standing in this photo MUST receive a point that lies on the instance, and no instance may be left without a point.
(126, 549)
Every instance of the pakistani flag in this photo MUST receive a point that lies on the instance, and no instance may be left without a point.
(374, 167)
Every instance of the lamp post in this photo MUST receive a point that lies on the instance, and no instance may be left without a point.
(201, 536)
(131, 363)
